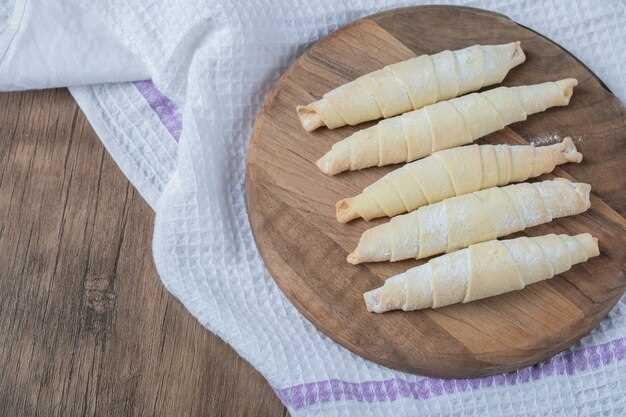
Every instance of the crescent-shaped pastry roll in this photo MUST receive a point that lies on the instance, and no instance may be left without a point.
(454, 172)
(482, 270)
(461, 221)
(443, 125)
(412, 84)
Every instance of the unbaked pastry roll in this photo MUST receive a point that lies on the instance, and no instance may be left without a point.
(443, 125)
(411, 84)
(454, 172)
(482, 270)
(461, 221)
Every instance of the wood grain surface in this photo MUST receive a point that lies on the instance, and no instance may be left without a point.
(86, 328)
(292, 205)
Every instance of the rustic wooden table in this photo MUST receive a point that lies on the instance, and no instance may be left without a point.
(86, 328)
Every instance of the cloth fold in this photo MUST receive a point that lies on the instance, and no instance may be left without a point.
(212, 64)
(61, 44)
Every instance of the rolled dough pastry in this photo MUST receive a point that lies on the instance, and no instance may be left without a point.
(454, 172)
(411, 84)
(443, 125)
(482, 270)
(461, 221)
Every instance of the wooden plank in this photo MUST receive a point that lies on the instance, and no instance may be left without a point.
(86, 327)
(291, 204)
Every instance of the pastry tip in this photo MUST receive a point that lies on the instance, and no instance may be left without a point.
(324, 165)
(372, 300)
(590, 244)
(569, 151)
(309, 118)
(353, 258)
(567, 88)
(518, 56)
(344, 211)
(584, 190)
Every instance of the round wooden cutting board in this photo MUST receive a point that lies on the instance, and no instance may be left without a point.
(291, 204)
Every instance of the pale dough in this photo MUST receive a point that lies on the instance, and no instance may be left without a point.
(443, 125)
(461, 221)
(454, 172)
(483, 270)
(412, 84)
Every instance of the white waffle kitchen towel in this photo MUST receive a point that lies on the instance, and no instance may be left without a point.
(215, 61)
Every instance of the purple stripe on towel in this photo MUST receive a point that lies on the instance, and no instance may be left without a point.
(333, 390)
(164, 108)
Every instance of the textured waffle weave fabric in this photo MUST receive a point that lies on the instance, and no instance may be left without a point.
(215, 62)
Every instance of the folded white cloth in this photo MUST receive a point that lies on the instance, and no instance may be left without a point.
(58, 44)
(216, 62)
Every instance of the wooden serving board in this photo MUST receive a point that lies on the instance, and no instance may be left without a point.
(291, 204)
